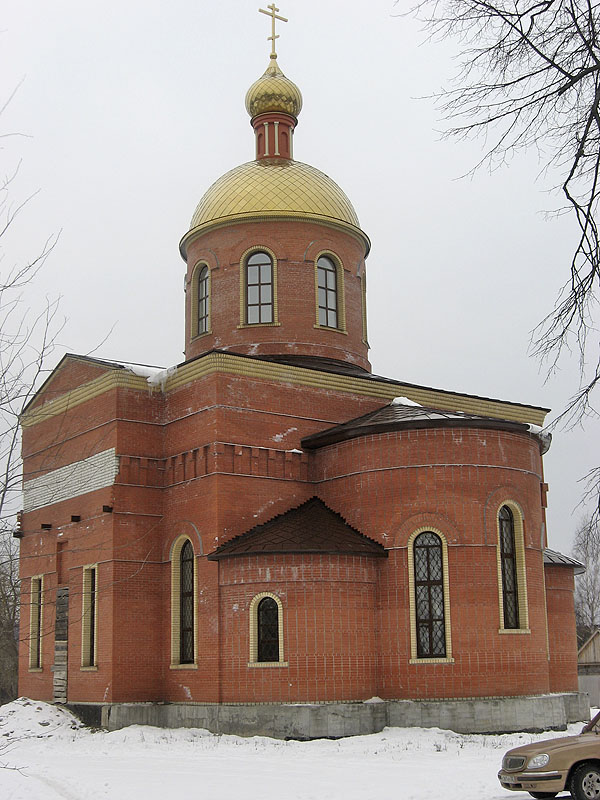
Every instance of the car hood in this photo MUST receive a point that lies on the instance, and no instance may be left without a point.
(553, 745)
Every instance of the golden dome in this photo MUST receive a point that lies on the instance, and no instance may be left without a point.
(273, 92)
(274, 189)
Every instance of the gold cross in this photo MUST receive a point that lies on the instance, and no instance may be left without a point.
(272, 13)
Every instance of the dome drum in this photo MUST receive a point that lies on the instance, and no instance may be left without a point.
(294, 246)
(274, 135)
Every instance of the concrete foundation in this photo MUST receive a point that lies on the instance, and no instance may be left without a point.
(312, 721)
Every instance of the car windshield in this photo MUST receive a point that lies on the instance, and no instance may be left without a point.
(594, 723)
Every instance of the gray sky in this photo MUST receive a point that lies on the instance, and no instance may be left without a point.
(129, 111)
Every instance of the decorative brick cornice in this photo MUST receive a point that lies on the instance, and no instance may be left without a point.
(81, 394)
(217, 362)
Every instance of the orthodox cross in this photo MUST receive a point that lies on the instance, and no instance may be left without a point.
(273, 14)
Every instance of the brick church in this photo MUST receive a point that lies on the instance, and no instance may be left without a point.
(269, 538)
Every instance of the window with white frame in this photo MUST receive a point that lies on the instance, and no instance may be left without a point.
(259, 289)
(327, 293)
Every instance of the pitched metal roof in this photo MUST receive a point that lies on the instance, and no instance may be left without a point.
(556, 559)
(397, 416)
(309, 528)
(347, 368)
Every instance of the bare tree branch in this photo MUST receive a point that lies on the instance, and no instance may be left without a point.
(27, 339)
(587, 589)
(529, 76)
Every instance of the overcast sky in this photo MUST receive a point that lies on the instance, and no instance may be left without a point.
(129, 110)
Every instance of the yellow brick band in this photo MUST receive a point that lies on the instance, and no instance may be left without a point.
(231, 364)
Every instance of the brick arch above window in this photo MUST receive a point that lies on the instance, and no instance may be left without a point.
(494, 501)
(403, 530)
(182, 529)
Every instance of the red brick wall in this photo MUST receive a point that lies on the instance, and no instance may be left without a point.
(71, 372)
(486, 663)
(382, 483)
(201, 684)
(329, 628)
(71, 436)
(391, 484)
(83, 543)
(560, 587)
(212, 459)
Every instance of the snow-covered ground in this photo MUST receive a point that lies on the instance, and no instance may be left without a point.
(48, 754)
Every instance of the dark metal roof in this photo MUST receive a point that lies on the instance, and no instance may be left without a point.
(320, 363)
(556, 559)
(396, 416)
(309, 528)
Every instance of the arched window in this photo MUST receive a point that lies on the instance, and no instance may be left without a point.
(186, 604)
(327, 292)
(268, 630)
(200, 300)
(508, 566)
(429, 596)
(184, 609)
(203, 300)
(259, 289)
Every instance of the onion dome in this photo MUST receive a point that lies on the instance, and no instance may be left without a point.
(273, 92)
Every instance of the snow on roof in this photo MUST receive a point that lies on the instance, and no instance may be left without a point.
(544, 436)
(404, 401)
(156, 376)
